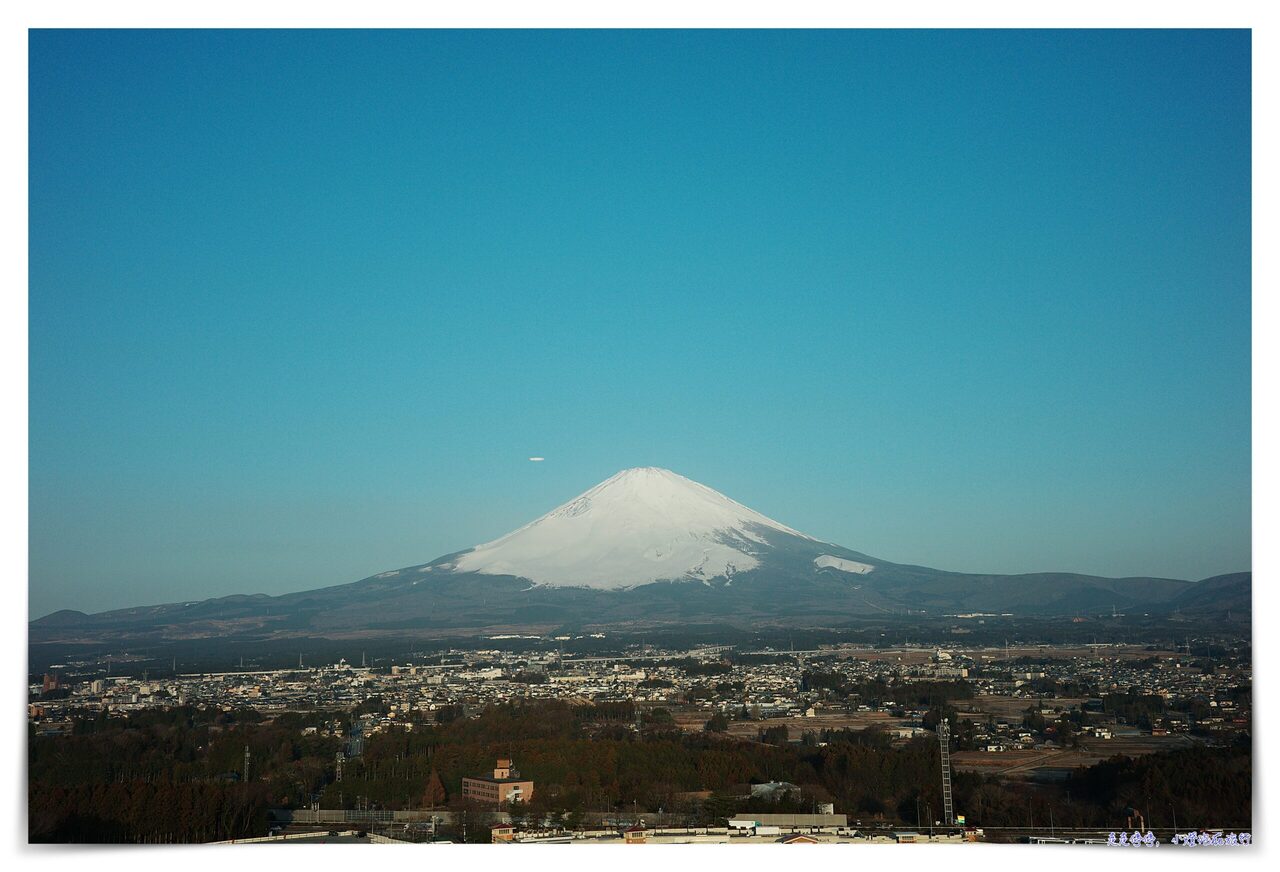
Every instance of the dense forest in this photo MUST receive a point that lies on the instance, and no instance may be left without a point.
(178, 775)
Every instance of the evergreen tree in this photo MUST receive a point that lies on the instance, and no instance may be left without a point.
(435, 793)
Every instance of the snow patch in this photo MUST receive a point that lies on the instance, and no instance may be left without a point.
(826, 560)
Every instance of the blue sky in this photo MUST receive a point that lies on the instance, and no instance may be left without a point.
(303, 303)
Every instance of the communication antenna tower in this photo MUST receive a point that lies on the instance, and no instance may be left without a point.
(944, 743)
(339, 759)
(246, 763)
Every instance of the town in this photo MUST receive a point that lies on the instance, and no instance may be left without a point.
(1025, 716)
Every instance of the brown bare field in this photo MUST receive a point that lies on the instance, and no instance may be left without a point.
(1125, 652)
(1023, 763)
(690, 720)
(991, 762)
(695, 721)
(905, 656)
(831, 721)
(1012, 707)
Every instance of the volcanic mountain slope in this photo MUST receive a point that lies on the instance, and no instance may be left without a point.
(640, 526)
(646, 546)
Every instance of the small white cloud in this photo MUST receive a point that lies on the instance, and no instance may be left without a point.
(537, 459)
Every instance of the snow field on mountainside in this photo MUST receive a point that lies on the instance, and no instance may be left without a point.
(639, 526)
(826, 560)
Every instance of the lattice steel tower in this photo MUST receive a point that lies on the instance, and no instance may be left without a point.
(944, 744)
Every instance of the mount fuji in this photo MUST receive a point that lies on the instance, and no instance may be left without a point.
(644, 547)
(640, 526)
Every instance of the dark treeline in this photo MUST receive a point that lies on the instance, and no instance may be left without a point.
(178, 776)
(145, 812)
(172, 776)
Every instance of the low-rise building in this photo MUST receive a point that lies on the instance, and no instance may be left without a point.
(506, 785)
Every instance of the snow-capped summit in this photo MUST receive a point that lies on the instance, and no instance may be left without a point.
(639, 526)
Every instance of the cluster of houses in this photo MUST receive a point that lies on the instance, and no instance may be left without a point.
(468, 681)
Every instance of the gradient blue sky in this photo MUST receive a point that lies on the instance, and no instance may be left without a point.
(303, 303)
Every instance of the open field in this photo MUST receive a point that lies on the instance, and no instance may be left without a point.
(695, 721)
(1012, 708)
(1037, 763)
(1066, 652)
(833, 721)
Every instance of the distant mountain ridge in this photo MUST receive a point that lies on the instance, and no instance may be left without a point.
(646, 546)
(1217, 595)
